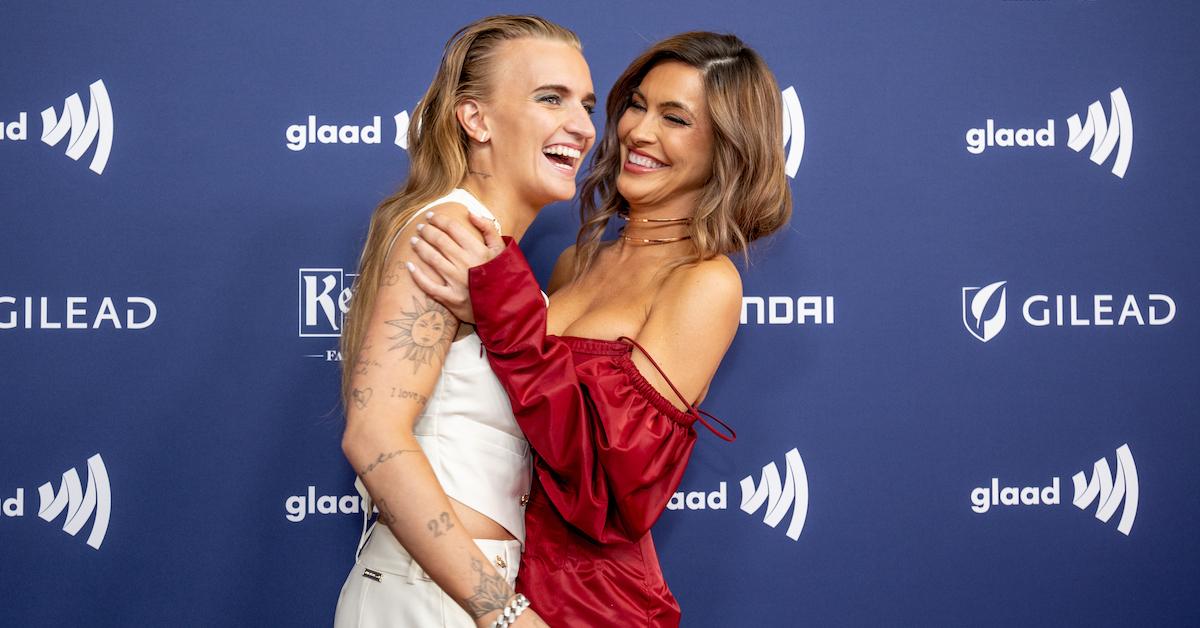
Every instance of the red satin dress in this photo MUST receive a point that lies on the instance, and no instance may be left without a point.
(609, 451)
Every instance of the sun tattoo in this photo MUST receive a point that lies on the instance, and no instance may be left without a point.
(424, 333)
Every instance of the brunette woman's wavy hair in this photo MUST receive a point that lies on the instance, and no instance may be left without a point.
(437, 149)
(747, 195)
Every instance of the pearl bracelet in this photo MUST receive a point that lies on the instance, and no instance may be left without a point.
(515, 607)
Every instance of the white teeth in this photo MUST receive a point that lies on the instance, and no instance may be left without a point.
(564, 151)
(643, 161)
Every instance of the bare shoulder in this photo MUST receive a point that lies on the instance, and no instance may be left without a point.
(401, 247)
(564, 269)
(713, 282)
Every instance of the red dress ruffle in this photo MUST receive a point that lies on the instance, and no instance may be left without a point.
(609, 451)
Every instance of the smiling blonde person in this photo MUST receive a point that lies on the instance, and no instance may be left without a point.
(499, 134)
(692, 160)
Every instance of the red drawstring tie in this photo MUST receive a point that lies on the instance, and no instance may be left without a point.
(691, 408)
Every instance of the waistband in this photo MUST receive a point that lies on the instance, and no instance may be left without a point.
(379, 551)
(384, 555)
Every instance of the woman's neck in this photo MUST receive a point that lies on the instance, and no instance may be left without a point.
(514, 213)
(658, 226)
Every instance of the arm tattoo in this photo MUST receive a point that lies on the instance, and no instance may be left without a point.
(424, 333)
(393, 277)
(361, 397)
(385, 515)
(382, 459)
(400, 393)
(441, 525)
(491, 594)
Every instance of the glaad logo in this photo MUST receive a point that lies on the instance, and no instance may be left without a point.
(300, 136)
(780, 497)
(985, 310)
(297, 507)
(79, 503)
(1101, 488)
(94, 128)
(793, 130)
(817, 310)
(1110, 494)
(1117, 133)
(1105, 133)
(793, 495)
(140, 313)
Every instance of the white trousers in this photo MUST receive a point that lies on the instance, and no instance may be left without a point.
(387, 587)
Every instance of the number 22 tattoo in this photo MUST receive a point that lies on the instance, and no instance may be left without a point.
(440, 525)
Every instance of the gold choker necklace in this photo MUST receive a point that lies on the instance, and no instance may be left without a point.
(624, 216)
(657, 222)
(653, 240)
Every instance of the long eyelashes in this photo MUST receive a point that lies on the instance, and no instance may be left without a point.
(555, 99)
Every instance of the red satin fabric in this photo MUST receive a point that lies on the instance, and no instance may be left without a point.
(609, 452)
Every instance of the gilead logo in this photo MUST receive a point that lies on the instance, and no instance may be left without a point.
(1107, 490)
(77, 313)
(985, 310)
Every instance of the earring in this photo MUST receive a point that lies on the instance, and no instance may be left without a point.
(483, 137)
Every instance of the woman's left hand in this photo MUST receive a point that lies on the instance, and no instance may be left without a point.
(450, 249)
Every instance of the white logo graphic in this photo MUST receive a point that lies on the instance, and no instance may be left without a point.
(84, 130)
(1110, 493)
(94, 128)
(402, 130)
(301, 136)
(793, 129)
(1101, 488)
(779, 310)
(792, 496)
(1117, 132)
(779, 496)
(297, 507)
(1104, 132)
(324, 300)
(39, 313)
(80, 504)
(985, 310)
(978, 302)
(991, 136)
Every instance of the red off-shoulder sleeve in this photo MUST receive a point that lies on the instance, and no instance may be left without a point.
(610, 450)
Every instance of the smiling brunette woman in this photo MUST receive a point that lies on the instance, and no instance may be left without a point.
(504, 125)
(692, 161)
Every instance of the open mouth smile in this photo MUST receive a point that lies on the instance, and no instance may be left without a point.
(563, 157)
(641, 162)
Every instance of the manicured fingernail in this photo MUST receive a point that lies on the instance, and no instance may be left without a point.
(414, 240)
(429, 214)
(420, 226)
(410, 266)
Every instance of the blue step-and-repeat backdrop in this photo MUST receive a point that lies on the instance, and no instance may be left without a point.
(965, 383)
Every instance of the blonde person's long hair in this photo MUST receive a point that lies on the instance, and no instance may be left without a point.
(747, 194)
(437, 148)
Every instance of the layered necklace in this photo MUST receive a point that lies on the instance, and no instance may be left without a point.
(650, 224)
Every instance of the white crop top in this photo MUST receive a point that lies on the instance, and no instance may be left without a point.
(468, 432)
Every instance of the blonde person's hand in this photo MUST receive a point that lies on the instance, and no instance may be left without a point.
(451, 249)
